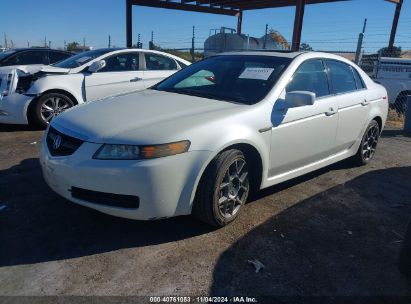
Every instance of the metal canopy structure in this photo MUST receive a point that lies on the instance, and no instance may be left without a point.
(225, 7)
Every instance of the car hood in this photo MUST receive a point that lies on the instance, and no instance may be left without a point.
(145, 117)
(27, 69)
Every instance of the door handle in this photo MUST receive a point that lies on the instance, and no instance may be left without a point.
(331, 111)
(136, 79)
(365, 103)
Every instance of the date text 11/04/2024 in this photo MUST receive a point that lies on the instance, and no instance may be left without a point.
(204, 299)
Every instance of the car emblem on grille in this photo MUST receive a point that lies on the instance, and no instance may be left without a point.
(56, 142)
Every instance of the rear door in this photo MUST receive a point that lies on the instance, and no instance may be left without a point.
(122, 74)
(158, 67)
(353, 105)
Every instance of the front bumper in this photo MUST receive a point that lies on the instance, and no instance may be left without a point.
(13, 109)
(164, 186)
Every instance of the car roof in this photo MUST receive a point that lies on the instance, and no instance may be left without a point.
(37, 49)
(286, 54)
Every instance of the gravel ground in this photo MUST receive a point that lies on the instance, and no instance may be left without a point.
(334, 232)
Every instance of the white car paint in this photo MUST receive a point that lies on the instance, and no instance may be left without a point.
(290, 141)
(75, 82)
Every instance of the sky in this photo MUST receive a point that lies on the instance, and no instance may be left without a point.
(329, 27)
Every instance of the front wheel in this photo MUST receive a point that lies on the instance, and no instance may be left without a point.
(223, 189)
(368, 145)
(48, 107)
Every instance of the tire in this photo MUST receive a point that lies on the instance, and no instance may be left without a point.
(223, 189)
(56, 102)
(369, 142)
(400, 103)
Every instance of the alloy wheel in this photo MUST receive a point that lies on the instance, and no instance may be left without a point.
(370, 143)
(52, 107)
(234, 189)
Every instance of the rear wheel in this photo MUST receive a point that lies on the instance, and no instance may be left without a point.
(49, 106)
(368, 145)
(223, 189)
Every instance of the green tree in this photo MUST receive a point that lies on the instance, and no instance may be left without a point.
(386, 52)
(305, 47)
(72, 46)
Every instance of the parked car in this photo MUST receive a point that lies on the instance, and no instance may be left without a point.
(189, 146)
(32, 56)
(395, 75)
(37, 97)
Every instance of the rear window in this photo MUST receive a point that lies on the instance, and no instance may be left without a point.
(58, 56)
(341, 76)
(358, 80)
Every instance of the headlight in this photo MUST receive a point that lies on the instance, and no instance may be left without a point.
(129, 152)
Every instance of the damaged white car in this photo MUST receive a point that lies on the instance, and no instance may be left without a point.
(37, 96)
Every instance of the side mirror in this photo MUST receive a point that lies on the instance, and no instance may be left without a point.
(96, 66)
(299, 98)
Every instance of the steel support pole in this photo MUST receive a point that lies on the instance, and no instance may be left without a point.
(395, 24)
(239, 22)
(298, 24)
(129, 24)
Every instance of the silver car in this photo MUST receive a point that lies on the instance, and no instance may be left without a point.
(202, 139)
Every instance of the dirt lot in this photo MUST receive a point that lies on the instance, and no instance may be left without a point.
(334, 232)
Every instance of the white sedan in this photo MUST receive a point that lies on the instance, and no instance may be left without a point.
(201, 139)
(37, 97)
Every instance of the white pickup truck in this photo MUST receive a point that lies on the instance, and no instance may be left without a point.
(395, 75)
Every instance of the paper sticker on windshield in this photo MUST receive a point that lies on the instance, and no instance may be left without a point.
(82, 59)
(256, 73)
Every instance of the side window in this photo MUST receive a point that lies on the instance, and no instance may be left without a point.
(57, 56)
(310, 76)
(155, 62)
(29, 57)
(358, 80)
(122, 63)
(182, 64)
(341, 76)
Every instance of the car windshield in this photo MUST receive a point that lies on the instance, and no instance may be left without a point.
(6, 54)
(80, 59)
(245, 79)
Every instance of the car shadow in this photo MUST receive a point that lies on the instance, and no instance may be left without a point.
(395, 133)
(17, 128)
(37, 225)
(343, 241)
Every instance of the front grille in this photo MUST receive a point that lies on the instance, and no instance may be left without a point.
(107, 199)
(60, 144)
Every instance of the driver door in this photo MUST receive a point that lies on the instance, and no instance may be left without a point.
(303, 135)
(122, 74)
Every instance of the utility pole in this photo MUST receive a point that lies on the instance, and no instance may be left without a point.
(109, 41)
(28, 44)
(5, 41)
(359, 44)
(151, 44)
(192, 45)
(49, 44)
(45, 42)
(265, 36)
